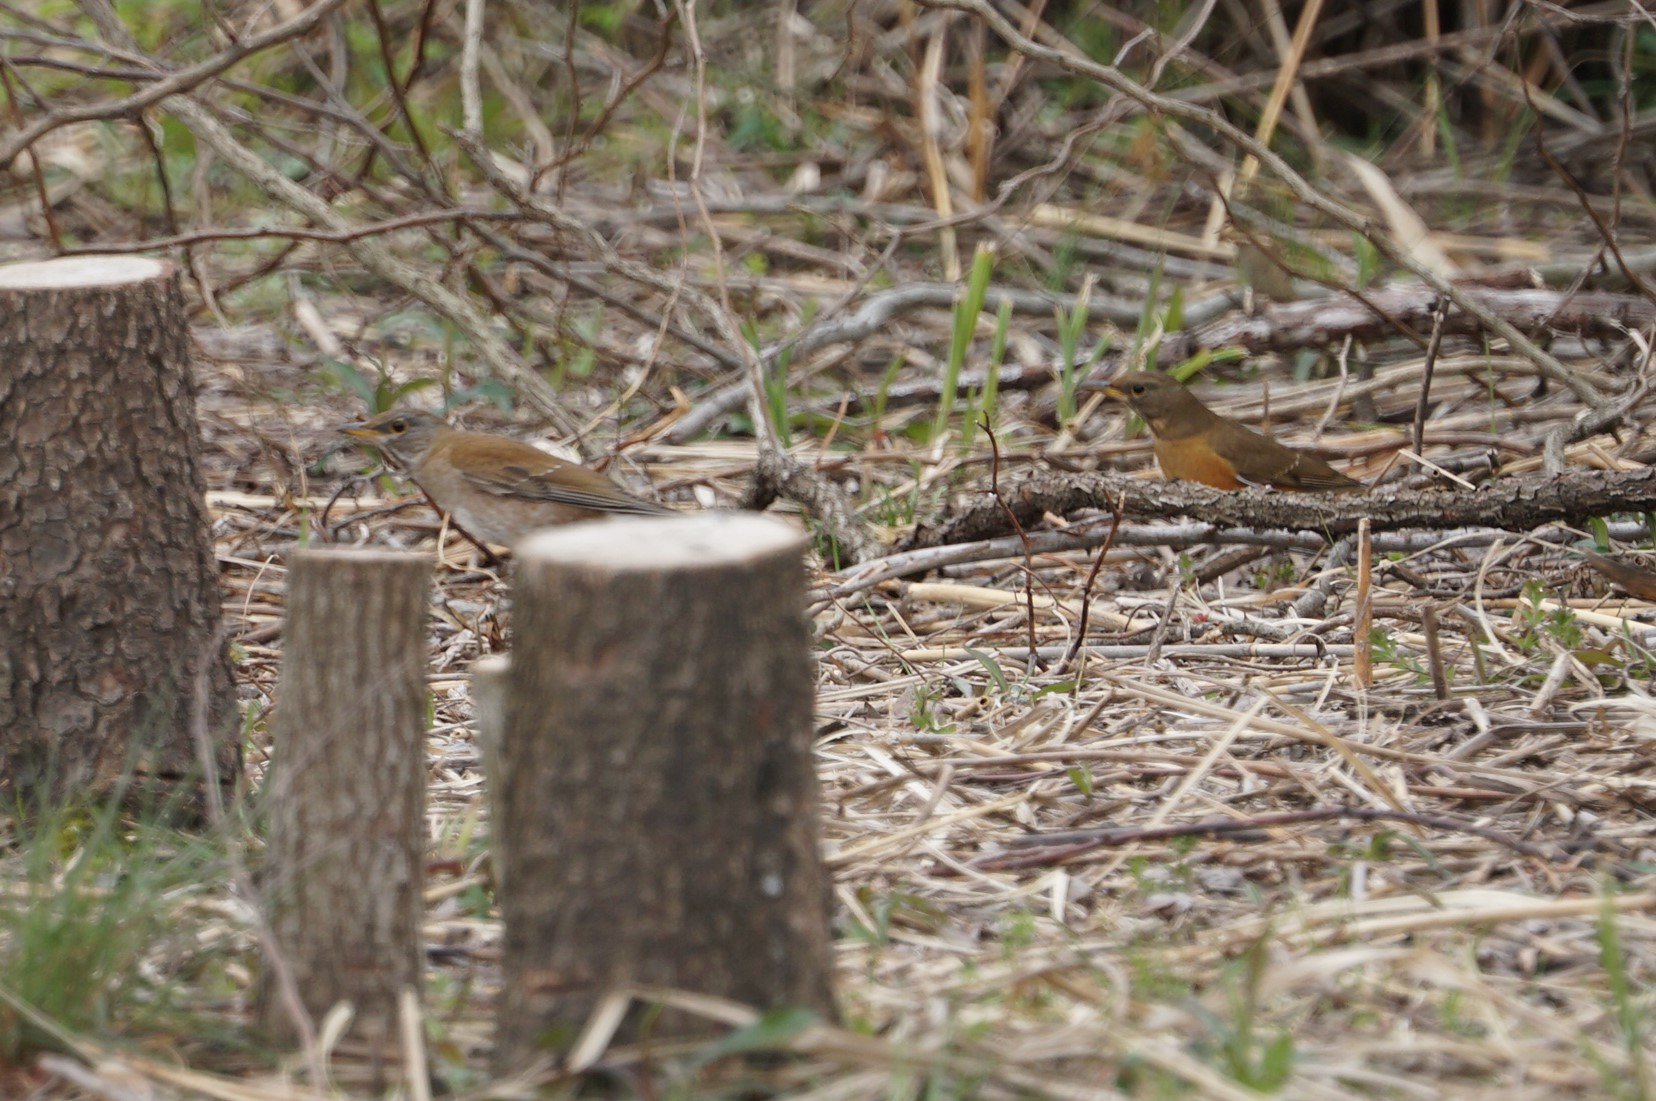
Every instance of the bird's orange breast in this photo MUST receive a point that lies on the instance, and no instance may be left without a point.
(1192, 459)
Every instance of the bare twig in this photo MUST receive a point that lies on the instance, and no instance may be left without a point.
(1113, 79)
(183, 80)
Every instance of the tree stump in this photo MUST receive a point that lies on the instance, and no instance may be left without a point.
(488, 696)
(657, 785)
(112, 662)
(346, 793)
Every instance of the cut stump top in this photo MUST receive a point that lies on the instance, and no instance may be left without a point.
(653, 543)
(81, 271)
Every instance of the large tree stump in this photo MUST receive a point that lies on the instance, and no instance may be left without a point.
(657, 785)
(112, 663)
(346, 794)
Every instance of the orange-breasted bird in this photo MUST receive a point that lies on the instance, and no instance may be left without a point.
(495, 488)
(1193, 442)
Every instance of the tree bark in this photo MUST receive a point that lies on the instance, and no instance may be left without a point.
(347, 789)
(658, 787)
(112, 663)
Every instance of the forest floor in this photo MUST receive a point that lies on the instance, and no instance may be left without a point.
(1116, 802)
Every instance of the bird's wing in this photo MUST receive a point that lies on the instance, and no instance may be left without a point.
(1260, 460)
(550, 479)
(1310, 472)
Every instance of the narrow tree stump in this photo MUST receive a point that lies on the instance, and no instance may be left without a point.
(488, 696)
(347, 788)
(112, 662)
(657, 786)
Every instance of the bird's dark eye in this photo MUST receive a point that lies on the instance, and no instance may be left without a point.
(399, 425)
(1139, 388)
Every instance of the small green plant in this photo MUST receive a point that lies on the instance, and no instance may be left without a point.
(1188, 369)
(1073, 366)
(94, 937)
(776, 385)
(966, 312)
(990, 665)
(1238, 1045)
(1187, 569)
(980, 404)
(883, 392)
(895, 907)
(577, 348)
(1017, 930)
(892, 509)
(1066, 257)
(1388, 650)
(771, 1032)
(1270, 575)
(755, 128)
(379, 393)
(490, 390)
(1155, 877)
(1378, 849)
(1446, 140)
(1533, 622)
(1368, 259)
(1153, 977)
(1638, 661)
(923, 712)
(776, 395)
(1346, 853)
(1147, 336)
(1629, 1013)
(826, 545)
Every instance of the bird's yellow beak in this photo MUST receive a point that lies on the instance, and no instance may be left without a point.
(1104, 386)
(359, 429)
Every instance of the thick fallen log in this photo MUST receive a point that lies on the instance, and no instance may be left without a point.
(1516, 503)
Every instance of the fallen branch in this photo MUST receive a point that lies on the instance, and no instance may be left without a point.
(1062, 848)
(1516, 503)
(777, 474)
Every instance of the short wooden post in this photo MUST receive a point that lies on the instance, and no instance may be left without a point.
(346, 793)
(488, 696)
(658, 785)
(113, 664)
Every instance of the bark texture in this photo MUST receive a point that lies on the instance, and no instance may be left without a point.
(347, 788)
(112, 661)
(658, 786)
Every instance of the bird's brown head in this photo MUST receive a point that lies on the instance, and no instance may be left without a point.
(1157, 398)
(402, 434)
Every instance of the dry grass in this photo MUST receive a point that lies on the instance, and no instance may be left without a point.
(1141, 868)
(1186, 847)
